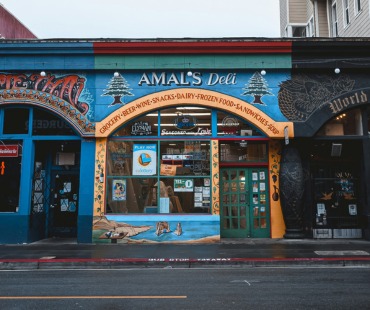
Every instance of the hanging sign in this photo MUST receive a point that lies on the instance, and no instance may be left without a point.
(8, 150)
(144, 159)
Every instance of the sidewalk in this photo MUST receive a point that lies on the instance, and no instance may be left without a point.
(64, 253)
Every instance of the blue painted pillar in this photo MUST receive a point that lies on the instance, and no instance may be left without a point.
(86, 199)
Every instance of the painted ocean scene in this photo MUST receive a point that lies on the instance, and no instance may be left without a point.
(157, 231)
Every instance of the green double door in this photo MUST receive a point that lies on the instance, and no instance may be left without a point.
(245, 208)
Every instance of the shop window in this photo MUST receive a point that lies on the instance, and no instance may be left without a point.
(16, 121)
(348, 123)
(144, 126)
(229, 125)
(48, 124)
(10, 172)
(243, 151)
(158, 177)
(185, 121)
(336, 195)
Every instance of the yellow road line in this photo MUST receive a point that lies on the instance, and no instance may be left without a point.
(92, 297)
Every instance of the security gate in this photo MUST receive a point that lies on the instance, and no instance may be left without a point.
(245, 209)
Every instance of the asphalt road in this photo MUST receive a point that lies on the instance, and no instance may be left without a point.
(225, 288)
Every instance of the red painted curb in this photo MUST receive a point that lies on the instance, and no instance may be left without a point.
(181, 260)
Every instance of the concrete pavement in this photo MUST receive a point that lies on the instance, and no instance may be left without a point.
(66, 253)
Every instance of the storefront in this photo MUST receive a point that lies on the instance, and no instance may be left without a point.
(44, 149)
(182, 141)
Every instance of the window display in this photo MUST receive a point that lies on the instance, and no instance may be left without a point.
(158, 177)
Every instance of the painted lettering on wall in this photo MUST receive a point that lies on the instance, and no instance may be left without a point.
(66, 87)
(186, 79)
(193, 96)
(342, 103)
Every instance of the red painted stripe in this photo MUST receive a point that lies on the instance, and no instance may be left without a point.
(198, 47)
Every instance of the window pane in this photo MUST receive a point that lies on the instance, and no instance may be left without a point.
(229, 125)
(185, 158)
(16, 121)
(45, 123)
(10, 171)
(143, 126)
(184, 195)
(243, 151)
(130, 195)
(349, 123)
(186, 121)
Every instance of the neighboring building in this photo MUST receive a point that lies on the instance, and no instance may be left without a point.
(11, 27)
(184, 140)
(324, 18)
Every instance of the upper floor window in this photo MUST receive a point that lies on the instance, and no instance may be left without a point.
(358, 6)
(298, 31)
(334, 19)
(346, 12)
(310, 28)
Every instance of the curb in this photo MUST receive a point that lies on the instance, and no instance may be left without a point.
(116, 263)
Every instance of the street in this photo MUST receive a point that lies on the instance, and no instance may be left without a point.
(224, 288)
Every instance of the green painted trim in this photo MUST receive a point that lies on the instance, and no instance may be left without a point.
(147, 62)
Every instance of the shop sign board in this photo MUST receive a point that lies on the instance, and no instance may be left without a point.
(8, 150)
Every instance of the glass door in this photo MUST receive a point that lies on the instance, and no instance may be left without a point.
(244, 203)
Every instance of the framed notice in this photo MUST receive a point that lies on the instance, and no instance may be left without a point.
(119, 190)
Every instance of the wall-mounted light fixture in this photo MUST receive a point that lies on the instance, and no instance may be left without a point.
(116, 74)
(337, 70)
(189, 73)
(42, 73)
(263, 72)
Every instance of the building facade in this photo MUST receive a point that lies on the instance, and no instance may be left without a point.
(11, 27)
(324, 18)
(182, 140)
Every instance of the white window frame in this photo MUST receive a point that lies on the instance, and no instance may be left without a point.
(358, 6)
(346, 19)
(310, 28)
(334, 19)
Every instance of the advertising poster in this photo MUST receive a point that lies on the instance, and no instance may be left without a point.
(183, 185)
(119, 190)
(144, 159)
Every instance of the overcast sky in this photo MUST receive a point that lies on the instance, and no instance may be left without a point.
(147, 18)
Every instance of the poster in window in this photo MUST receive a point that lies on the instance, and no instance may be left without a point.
(254, 176)
(255, 187)
(255, 199)
(262, 175)
(144, 159)
(352, 208)
(67, 186)
(64, 203)
(262, 187)
(207, 182)
(119, 190)
(183, 185)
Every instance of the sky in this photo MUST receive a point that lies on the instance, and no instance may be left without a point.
(147, 18)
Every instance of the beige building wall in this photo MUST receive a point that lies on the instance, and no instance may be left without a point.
(283, 16)
(359, 25)
(299, 12)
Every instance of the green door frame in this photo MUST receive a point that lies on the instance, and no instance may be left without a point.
(244, 198)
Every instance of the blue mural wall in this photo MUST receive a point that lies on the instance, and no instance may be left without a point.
(252, 87)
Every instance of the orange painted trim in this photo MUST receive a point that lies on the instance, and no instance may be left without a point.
(191, 97)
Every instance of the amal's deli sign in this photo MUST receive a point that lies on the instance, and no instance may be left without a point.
(8, 150)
